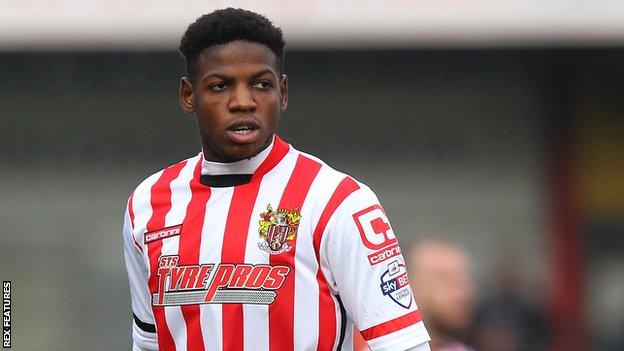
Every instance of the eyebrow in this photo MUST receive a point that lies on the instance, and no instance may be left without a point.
(226, 77)
(217, 75)
(262, 72)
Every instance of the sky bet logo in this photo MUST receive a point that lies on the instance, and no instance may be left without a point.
(395, 284)
(6, 314)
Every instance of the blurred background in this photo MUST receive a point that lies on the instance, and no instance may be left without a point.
(495, 125)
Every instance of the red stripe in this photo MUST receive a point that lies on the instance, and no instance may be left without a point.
(233, 251)
(391, 326)
(131, 214)
(188, 251)
(137, 244)
(161, 204)
(327, 308)
(281, 311)
(279, 150)
(131, 210)
(235, 238)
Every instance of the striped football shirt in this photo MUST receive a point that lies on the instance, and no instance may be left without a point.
(277, 252)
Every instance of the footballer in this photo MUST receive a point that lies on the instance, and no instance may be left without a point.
(252, 244)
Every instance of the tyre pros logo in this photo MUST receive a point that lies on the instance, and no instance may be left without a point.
(376, 234)
(395, 284)
(223, 283)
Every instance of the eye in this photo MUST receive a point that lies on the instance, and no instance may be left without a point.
(219, 86)
(262, 84)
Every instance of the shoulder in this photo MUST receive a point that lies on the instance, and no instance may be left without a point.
(160, 180)
(338, 185)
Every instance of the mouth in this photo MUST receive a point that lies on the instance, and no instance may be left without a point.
(244, 131)
(243, 126)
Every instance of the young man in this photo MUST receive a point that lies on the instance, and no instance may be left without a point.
(251, 244)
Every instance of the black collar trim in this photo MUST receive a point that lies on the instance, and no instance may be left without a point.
(225, 180)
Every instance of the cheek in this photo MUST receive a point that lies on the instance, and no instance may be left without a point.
(210, 113)
(269, 101)
(207, 101)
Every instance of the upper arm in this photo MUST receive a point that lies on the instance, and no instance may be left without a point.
(366, 268)
(143, 328)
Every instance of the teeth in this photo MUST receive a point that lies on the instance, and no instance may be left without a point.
(242, 131)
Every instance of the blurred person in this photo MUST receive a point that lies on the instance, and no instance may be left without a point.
(505, 320)
(252, 244)
(443, 287)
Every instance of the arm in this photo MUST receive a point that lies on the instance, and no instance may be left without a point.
(365, 267)
(143, 328)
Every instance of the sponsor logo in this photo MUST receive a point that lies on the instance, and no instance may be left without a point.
(384, 254)
(374, 228)
(395, 284)
(6, 314)
(376, 234)
(223, 283)
(278, 229)
(162, 234)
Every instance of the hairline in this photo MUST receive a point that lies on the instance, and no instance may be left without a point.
(279, 61)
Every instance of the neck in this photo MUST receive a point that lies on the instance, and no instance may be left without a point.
(244, 166)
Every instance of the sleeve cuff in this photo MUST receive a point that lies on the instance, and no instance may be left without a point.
(143, 340)
(403, 339)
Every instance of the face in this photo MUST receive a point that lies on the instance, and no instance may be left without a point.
(442, 285)
(237, 97)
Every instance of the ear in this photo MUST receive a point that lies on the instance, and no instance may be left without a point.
(186, 95)
(283, 92)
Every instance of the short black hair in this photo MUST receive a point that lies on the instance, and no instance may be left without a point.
(227, 25)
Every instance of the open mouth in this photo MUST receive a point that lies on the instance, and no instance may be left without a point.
(242, 130)
(244, 127)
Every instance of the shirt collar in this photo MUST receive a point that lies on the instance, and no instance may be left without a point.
(246, 166)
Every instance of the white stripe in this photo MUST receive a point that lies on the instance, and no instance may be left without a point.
(181, 194)
(256, 317)
(142, 212)
(306, 289)
(173, 314)
(180, 198)
(142, 208)
(210, 252)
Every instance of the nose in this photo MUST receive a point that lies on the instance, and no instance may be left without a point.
(242, 99)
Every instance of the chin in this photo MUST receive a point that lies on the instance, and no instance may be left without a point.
(241, 152)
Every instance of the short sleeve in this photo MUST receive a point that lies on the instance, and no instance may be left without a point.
(368, 272)
(143, 328)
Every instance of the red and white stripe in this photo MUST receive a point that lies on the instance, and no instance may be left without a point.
(221, 225)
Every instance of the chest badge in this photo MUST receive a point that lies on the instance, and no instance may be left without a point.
(278, 229)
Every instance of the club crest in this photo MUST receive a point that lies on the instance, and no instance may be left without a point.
(278, 229)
